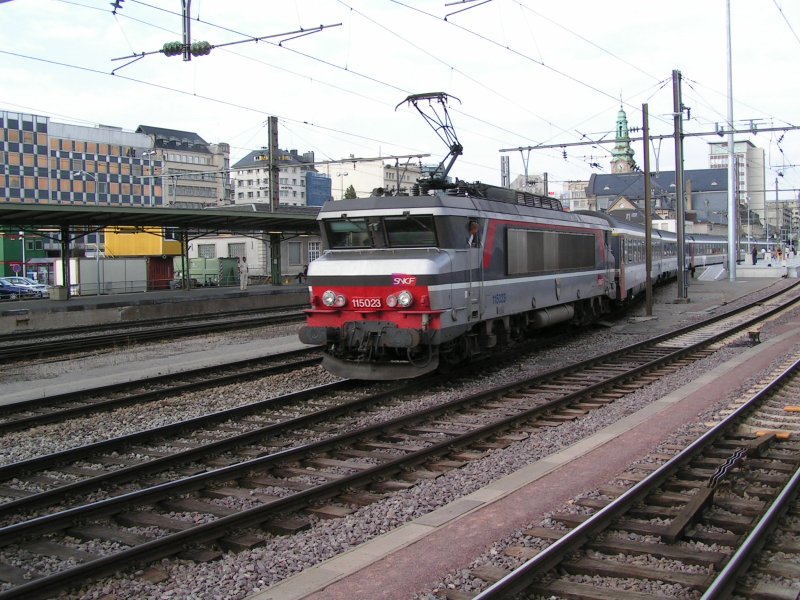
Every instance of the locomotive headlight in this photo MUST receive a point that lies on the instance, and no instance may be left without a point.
(340, 301)
(329, 298)
(391, 301)
(405, 299)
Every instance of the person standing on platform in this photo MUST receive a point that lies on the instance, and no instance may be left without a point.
(755, 255)
(243, 273)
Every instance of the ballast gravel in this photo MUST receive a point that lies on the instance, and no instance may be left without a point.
(237, 575)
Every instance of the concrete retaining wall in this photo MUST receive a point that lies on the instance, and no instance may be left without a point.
(43, 314)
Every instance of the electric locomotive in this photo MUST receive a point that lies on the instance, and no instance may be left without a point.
(408, 283)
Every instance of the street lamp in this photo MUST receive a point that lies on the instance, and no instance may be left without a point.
(84, 175)
(149, 155)
(341, 177)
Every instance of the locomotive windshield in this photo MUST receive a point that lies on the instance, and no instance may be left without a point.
(407, 231)
(348, 233)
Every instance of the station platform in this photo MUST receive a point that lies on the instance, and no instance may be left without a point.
(43, 314)
(86, 379)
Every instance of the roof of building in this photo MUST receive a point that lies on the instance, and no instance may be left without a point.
(260, 158)
(631, 185)
(175, 139)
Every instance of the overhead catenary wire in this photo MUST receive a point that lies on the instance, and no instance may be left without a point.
(351, 72)
(486, 122)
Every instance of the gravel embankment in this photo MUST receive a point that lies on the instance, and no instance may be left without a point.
(237, 575)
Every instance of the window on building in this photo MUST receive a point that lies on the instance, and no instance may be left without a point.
(206, 251)
(295, 253)
(236, 250)
(313, 250)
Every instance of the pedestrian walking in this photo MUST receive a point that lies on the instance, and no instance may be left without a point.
(242, 272)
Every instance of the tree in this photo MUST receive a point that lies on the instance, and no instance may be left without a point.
(350, 192)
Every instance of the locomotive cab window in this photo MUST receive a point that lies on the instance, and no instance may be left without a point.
(348, 233)
(410, 231)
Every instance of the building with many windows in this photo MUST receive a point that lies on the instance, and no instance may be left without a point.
(750, 168)
(364, 176)
(45, 162)
(299, 182)
(193, 172)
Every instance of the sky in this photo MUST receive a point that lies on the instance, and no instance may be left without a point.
(518, 73)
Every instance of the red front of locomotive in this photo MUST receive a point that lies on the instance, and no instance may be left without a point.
(386, 325)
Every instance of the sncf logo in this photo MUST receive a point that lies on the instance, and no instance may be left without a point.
(398, 279)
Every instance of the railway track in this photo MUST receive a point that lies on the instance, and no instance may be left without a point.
(82, 339)
(59, 407)
(282, 488)
(696, 522)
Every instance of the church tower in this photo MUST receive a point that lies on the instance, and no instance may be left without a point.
(622, 154)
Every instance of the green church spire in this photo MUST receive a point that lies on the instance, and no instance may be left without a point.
(622, 154)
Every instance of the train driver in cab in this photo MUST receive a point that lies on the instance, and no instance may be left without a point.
(473, 241)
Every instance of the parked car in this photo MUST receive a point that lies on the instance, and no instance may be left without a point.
(9, 291)
(37, 289)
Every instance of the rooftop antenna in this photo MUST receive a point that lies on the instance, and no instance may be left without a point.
(439, 120)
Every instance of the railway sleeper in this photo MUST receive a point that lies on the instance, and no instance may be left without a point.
(223, 493)
(329, 511)
(195, 505)
(361, 498)
(267, 481)
(768, 590)
(149, 519)
(691, 556)
(781, 568)
(521, 553)
(570, 589)
(10, 492)
(489, 573)
(107, 533)
(241, 542)
(17, 576)
(418, 474)
(734, 523)
(201, 555)
(617, 570)
(55, 550)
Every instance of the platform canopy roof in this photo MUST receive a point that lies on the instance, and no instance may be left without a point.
(233, 219)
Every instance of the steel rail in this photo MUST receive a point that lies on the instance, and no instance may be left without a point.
(172, 542)
(212, 377)
(126, 474)
(169, 544)
(92, 342)
(77, 329)
(519, 579)
(74, 454)
(739, 563)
